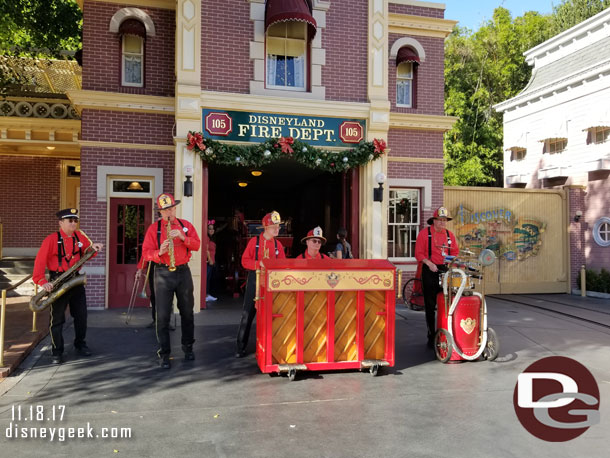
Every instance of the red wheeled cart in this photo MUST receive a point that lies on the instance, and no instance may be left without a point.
(461, 318)
(325, 315)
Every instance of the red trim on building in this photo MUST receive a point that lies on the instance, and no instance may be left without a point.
(406, 54)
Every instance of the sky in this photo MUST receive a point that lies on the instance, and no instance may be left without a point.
(471, 13)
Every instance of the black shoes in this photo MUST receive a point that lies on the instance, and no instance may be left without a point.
(83, 351)
(165, 362)
(189, 356)
(152, 324)
(430, 343)
(240, 353)
(57, 359)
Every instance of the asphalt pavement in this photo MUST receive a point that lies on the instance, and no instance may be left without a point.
(220, 406)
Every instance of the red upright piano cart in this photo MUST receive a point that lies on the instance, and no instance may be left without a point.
(325, 315)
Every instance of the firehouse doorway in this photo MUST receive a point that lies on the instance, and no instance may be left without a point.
(239, 197)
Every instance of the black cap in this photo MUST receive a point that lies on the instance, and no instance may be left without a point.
(67, 213)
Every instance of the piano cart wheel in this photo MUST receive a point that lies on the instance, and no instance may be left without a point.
(292, 374)
(374, 369)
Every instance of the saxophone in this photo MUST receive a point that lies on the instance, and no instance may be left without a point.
(61, 285)
(170, 248)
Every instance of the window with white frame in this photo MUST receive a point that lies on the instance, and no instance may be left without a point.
(287, 55)
(132, 61)
(404, 84)
(555, 145)
(403, 222)
(600, 134)
(601, 231)
(517, 154)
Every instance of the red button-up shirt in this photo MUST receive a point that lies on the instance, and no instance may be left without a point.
(306, 255)
(47, 258)
(182, 250)
(439, 239)
(266, 250)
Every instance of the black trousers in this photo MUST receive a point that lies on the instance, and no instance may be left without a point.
(248, 313)
(151, 286)
(431, 287)
(180, 283)
(76, 299)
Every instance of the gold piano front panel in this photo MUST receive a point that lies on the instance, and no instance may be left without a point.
(321, 280)
(346, 347)
(374, 325)
(284, 328)
(315, 335)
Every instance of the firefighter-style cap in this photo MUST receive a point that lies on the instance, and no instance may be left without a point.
(165, 201)
(440, 212)
(315, 233)
(271, 219)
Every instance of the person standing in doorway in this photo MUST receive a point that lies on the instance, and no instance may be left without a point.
(264, 246)
(211, 261)
(58, 253)
(431, 247)
(169, 243)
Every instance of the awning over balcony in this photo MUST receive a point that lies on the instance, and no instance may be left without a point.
(290, 10)
(406, 54)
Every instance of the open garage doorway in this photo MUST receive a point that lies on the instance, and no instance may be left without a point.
(304, 197)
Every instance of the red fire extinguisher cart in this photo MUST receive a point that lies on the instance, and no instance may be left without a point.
(325, 315)
(461, 318)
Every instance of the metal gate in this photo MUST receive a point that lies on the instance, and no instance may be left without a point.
(526, 228)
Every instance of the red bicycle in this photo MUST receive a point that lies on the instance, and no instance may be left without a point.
(413, 294)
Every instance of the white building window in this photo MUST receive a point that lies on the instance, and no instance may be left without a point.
(517, 154)
(601, 231)
(600, 134)
(555, 145)
(404, 84)
(133, 61)
(403, 223)
(287, 56)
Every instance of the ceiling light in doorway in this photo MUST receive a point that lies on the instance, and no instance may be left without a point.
(50, 148)
(242, 184)
(135, 186)
(256, 173)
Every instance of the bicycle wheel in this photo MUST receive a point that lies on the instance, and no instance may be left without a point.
(413, 300)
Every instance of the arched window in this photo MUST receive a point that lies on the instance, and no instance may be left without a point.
(287, 55)
(133, 34)
(289, 27)
(407, 61)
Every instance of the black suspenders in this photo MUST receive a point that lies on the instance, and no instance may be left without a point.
(430, 243)
(61, 250)
(258, 241)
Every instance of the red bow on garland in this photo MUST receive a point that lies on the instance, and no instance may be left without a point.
(380, 146)
(193, 140)
(285, 144)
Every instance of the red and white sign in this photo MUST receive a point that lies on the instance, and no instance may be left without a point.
(218, 124)
(350, 132)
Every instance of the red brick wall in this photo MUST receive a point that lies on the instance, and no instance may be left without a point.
(102, 51)
(127, 127)
(30, 187)
(345, 42)
(416, 10)
(576, 233)
(430, 82)
(225, 46)
(94, 212)
(597, 204)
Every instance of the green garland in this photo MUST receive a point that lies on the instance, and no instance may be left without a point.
(260, 154)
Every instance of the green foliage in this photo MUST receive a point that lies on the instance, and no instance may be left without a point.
(35, 27)
(482, 69)
(598, 281)
(571, 12)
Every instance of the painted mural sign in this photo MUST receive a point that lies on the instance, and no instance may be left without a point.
(510, 237)
(258, 127)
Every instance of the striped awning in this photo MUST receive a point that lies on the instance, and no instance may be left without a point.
(406, 54)
(290, 10)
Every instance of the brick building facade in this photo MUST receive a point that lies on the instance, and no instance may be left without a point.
(149, 68)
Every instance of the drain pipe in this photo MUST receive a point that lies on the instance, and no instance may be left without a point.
(583, 281)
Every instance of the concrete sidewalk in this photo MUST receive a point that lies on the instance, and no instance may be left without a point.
(222, 406)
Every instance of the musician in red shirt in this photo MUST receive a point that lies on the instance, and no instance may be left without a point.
(172, 274)
(431, 247)
(314, 241)
(265, 246)
(60, 251)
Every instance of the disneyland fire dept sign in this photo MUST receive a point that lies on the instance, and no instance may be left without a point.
(258, 127)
